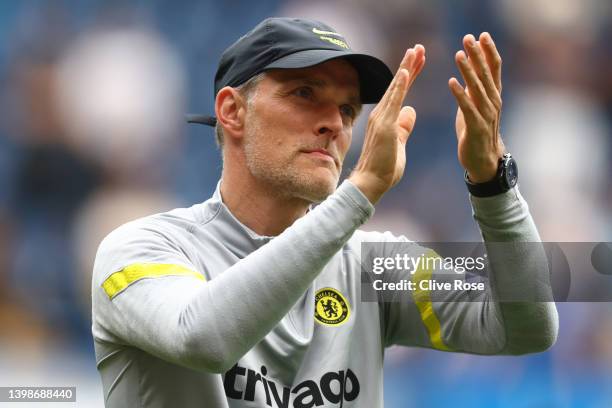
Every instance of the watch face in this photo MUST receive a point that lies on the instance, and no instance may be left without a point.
(511, 173)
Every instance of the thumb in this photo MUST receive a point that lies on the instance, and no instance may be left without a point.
(406, 120)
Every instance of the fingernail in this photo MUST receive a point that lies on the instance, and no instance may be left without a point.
(471, 40)
(486, 37)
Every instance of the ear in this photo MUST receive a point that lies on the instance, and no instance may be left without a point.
(230, 108)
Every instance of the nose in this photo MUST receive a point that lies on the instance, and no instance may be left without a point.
(329, 121)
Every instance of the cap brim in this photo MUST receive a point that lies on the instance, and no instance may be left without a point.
(374, 75)
(201, 119)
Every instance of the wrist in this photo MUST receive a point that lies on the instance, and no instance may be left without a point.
(505, 178)
(484, 174)
(368, 185)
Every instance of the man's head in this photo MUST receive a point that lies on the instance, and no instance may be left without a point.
(287, 94)
(294, 128)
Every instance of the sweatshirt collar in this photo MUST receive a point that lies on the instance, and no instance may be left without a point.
(239, 238)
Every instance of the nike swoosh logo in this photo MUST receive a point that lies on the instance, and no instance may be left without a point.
(316, 31)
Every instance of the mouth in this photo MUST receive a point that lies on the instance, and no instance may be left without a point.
(321, 154)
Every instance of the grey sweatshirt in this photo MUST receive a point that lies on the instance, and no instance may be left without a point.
(191, 308)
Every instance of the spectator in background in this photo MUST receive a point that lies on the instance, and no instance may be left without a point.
(123, 111)
(49, 180)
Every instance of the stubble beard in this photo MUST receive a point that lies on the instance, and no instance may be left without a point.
(284, 178)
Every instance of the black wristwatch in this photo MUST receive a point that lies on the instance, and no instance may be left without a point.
(505, 179)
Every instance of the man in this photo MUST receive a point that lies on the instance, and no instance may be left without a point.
(252, 298)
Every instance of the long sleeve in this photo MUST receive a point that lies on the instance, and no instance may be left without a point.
(520, 272)
(510, 317)
(210, 325)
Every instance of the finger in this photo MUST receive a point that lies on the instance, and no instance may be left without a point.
(464, 101)
(413, 62)
(406, 120)
(408, 59)
(394, 97)
(393, 88)
(418, 64)
(419, 57)
(415, 72)
(474, 86)
(397, 95)
(478, 63)
(493, 58)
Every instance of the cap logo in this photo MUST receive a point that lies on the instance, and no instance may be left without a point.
(335, 41)
(323, 35)
(321, 32)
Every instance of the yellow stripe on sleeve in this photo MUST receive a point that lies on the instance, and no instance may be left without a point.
(118, 281)
(422, 299)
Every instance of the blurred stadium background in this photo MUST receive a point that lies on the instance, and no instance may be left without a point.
(92, 95)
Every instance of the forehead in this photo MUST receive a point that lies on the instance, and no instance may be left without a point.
(337, 73)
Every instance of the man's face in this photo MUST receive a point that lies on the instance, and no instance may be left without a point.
(298, 128)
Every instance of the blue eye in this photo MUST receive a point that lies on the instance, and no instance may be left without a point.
(348, 110)
(304, 92)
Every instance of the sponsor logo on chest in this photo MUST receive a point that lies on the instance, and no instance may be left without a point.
(334, 387)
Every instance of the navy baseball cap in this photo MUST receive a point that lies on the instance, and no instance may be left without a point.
(282, 42)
